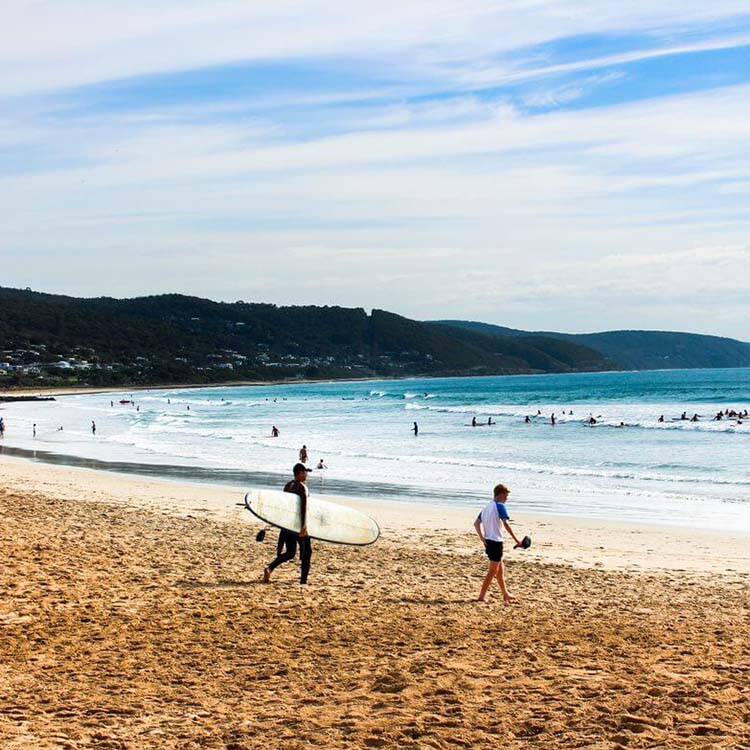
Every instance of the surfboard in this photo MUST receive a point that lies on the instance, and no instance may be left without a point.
(327, 521)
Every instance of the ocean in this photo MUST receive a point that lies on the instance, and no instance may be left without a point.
(672, 472)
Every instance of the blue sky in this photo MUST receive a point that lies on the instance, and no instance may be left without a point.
(535, 163)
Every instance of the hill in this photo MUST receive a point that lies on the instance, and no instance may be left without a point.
(635, 350)
(177, 339)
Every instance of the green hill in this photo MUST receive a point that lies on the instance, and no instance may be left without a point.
(637, 350)
(177, 339)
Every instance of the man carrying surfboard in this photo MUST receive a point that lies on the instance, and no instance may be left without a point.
(286, 549)
(491, 521)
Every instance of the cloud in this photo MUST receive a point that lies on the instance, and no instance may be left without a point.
(53, 44)
(364, 149)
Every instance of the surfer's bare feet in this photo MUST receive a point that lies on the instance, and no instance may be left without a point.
(508, 599)
(481, 600)
(266, 575)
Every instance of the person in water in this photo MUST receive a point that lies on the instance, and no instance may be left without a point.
(415, 429)
(473, 421)
(489, 527)
(303, 454)
(93, 427)
(661, 418)
(274, 431)
(527, 419)
(321, 464)
(286, 549)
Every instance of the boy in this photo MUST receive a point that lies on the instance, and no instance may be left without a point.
(491, 520)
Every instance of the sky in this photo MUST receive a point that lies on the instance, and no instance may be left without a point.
(540, 164)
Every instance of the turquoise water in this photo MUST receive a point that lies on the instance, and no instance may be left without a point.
(672, 472)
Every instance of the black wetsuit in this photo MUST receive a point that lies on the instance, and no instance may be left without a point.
(286, 548)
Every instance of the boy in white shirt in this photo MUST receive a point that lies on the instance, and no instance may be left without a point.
(491, 521)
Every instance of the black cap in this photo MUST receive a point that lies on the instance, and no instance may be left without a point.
(300, 467)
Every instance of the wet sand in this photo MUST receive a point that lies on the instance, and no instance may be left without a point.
(132, 616)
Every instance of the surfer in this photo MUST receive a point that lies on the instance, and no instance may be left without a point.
(286, 549)
(473, 421)
(302, 456)
(274, 431)
(321, 464)
(491, 521)
(527, 420)
(415, 429)
(93, 427)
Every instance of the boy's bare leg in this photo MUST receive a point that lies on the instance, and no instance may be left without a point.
(491, 573)
(507, 598)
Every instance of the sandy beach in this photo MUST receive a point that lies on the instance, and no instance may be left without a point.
(132, 616)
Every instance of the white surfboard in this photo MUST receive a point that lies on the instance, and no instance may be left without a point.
(329, 522)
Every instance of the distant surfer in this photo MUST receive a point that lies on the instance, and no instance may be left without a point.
(489, 422)
(321, 464)
(33, 430)
(274, 431)
(93, 427)
(302, 456)
(489, 527)
(661, 418)
(415, 429)
(473, 421)
(552, 419)
(286, 549)
(527, 419)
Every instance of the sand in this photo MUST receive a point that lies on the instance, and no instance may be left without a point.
(132, 616)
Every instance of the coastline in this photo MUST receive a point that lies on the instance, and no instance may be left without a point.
(84, 390)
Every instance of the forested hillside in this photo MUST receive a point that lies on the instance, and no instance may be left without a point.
(635, 350)
(175, 338)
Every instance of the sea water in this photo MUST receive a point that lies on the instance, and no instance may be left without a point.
(676, 471)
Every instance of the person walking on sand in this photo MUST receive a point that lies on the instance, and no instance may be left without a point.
(302, 455)
(489, 527)
(286, 549)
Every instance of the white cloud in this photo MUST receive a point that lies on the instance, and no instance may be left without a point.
(49, 44)
(428, 208)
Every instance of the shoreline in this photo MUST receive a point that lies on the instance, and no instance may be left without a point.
(560, 540)
(83, 390)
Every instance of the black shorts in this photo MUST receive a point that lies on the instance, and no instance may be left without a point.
(494, 550)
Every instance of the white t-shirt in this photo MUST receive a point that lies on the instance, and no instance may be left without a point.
(492, 518)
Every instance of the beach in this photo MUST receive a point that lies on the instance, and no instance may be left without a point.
(133, 616)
